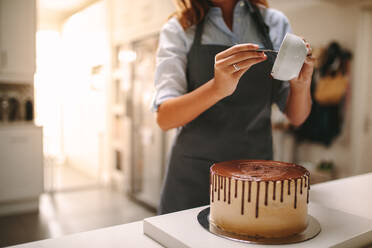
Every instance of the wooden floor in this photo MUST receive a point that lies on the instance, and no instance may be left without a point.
(70, 212)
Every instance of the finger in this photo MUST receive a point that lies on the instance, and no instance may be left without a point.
(309, 50)
(246, 64)
(241, 56)
(236, 49)
(240, 73)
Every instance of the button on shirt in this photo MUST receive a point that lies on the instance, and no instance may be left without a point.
(175, 42)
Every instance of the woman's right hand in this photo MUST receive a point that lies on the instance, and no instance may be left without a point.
(226, 77)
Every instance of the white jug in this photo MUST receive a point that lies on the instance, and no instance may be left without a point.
(291, 57)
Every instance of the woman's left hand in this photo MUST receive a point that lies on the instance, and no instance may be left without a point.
(303, 80)
(299, 99)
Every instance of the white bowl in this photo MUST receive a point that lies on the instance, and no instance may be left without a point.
(291, 57)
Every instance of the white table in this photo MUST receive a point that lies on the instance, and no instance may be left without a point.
(330, 194)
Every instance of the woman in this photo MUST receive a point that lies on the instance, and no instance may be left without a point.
(215, 88)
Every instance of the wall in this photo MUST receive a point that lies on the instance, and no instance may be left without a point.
(134, 19)
(321, 22)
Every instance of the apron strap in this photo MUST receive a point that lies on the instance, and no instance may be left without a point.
(199, 32)
(260, 23)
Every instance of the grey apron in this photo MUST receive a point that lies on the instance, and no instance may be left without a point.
(236, 127)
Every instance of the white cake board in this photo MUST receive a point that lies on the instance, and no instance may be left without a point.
(182, 229)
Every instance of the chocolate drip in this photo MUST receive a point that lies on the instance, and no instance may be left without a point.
(218, 187)
(236, 188)
(229, 195)
(266, 189)
(295, 194)
(243, 188)
(222, 177)
(212, 193)
(215, 182)
(274, 190)
(281, 191)
(224, 189)
(301, 186)
(308, 188)
(289, 186)
(249, 190)
(257, 197)
(306, 181)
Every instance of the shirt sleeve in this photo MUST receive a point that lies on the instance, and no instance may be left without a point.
(279, 27)
(171, 57)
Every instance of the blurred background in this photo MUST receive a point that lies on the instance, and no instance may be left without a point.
(79, 147)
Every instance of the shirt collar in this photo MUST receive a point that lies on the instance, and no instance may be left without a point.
(238, 9)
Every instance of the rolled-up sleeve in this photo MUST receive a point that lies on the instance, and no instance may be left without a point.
(171, 57)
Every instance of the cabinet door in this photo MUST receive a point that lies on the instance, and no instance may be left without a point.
(21, 164)
(17, 40)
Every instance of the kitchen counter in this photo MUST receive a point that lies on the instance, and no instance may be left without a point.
(349, 195)
(352, 195)
(128, 235)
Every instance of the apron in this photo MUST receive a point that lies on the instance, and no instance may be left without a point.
(236, 127)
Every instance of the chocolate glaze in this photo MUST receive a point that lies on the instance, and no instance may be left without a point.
(236, 188)
(249, 190)
(218, 187)
(266, 189)
(295, 194)
(281, 191)
(243, 188)
(258, 170)
(215, 183)
(224, 189)
(257, 197)
(229, 195)
(212, 183)
(308, 188)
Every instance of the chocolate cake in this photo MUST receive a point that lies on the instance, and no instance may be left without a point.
(259, 198)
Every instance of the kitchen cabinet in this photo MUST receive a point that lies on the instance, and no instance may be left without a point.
(21, 168)
(17, 40)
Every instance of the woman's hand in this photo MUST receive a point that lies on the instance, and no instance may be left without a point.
(299, 99)
(231, 64)
(303, 80)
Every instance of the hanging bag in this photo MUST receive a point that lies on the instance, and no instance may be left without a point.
(331, 90)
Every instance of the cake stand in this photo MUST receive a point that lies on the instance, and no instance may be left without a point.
(313, 228)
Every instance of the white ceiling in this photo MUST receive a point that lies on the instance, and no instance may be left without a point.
(52, 13)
